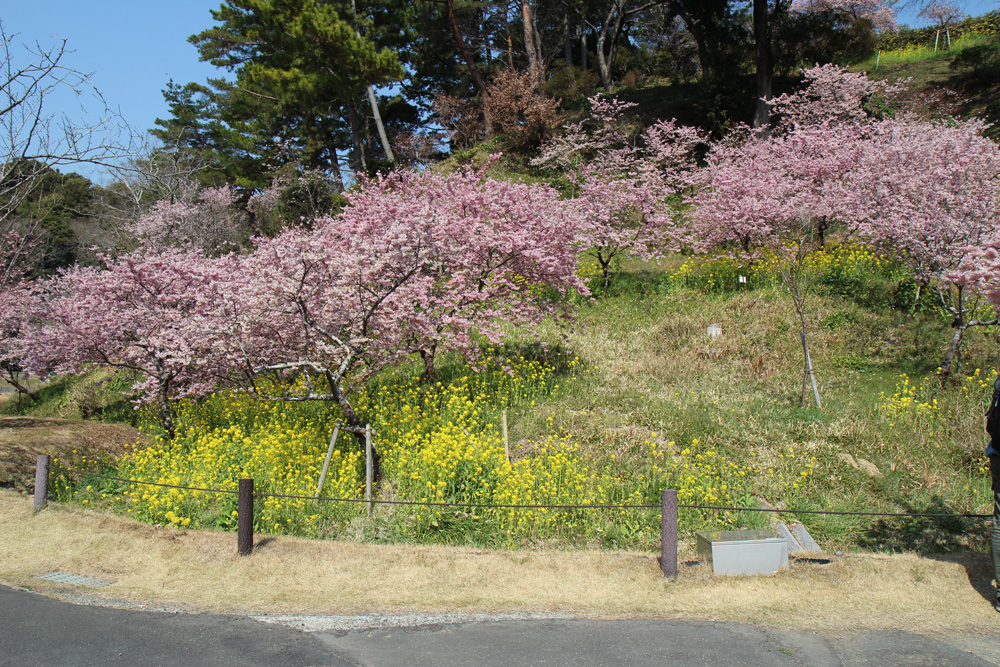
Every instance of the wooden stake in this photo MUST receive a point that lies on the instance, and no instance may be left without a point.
(506, 442)
(41, 481)
(244, 518)
(668, 533)
(368, 467)
(326, 462)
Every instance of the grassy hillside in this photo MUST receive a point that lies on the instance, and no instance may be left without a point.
(635, 397)
(647, 400)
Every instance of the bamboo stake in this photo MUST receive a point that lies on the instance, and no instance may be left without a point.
(506, 442)
(326, 462)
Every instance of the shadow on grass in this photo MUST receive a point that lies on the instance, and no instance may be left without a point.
(924, 534)
(957, 540)
(978, 568)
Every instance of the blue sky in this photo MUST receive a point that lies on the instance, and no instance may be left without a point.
(133, 47)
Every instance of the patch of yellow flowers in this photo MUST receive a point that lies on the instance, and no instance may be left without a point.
(439, 443)
(282, 452)
(722, 272)
(920, 399)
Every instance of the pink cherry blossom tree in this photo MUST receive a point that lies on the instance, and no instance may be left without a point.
(943, 14)
(930, 194)
(781, 192)
(924, 191)
(500, 254)
(879, 12)
(776, 195)
(14, 318)
(416, 263)
(623, 181)
(148, 312)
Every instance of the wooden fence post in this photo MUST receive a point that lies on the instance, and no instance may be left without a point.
(668, 528)
(41, 481)
(368, 467)
(244, 518)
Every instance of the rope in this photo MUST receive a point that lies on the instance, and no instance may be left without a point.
(17, 463)
(538, 506)
(136, 481)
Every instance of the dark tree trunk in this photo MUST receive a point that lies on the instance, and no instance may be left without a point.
(354, 424)
(477, 78)
(358, 163)
(166, 417)
(510, 38)
(953, 357)
(567, 40)
(22, 388)
(531, 43)
(762, 40)
(430, 373)
(338, 177)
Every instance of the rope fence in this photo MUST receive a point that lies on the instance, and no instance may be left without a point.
(668, 506)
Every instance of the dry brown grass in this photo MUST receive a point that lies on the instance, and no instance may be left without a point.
(201, 571)
(22, 439)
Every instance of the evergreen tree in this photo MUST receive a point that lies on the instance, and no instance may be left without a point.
(300, 76)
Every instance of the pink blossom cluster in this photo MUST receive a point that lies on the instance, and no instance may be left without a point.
(213, 221)
(834, 96)
(879, 12)
(416, 263)
(623, 183)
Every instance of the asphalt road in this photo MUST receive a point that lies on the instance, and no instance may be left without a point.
(37, 631)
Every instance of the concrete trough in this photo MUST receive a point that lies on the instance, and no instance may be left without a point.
(743, 552)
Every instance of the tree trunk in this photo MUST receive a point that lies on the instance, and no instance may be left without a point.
(808, 373)
(430, 373)
(952, 362)
(510, 38)
(354, 424)
(567, 40)
(607, 36)
(338, 177)
(477, 78)
(371, 98)
(383, 137)
(791, 274)
(583, 47)
(22, 389)
(531, 46)
(762, 39)
(166, 418)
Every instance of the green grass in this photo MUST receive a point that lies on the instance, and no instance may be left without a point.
(923, 52)
(880, 443)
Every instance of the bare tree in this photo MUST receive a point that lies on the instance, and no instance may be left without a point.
(34, 139)
(147, 175)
